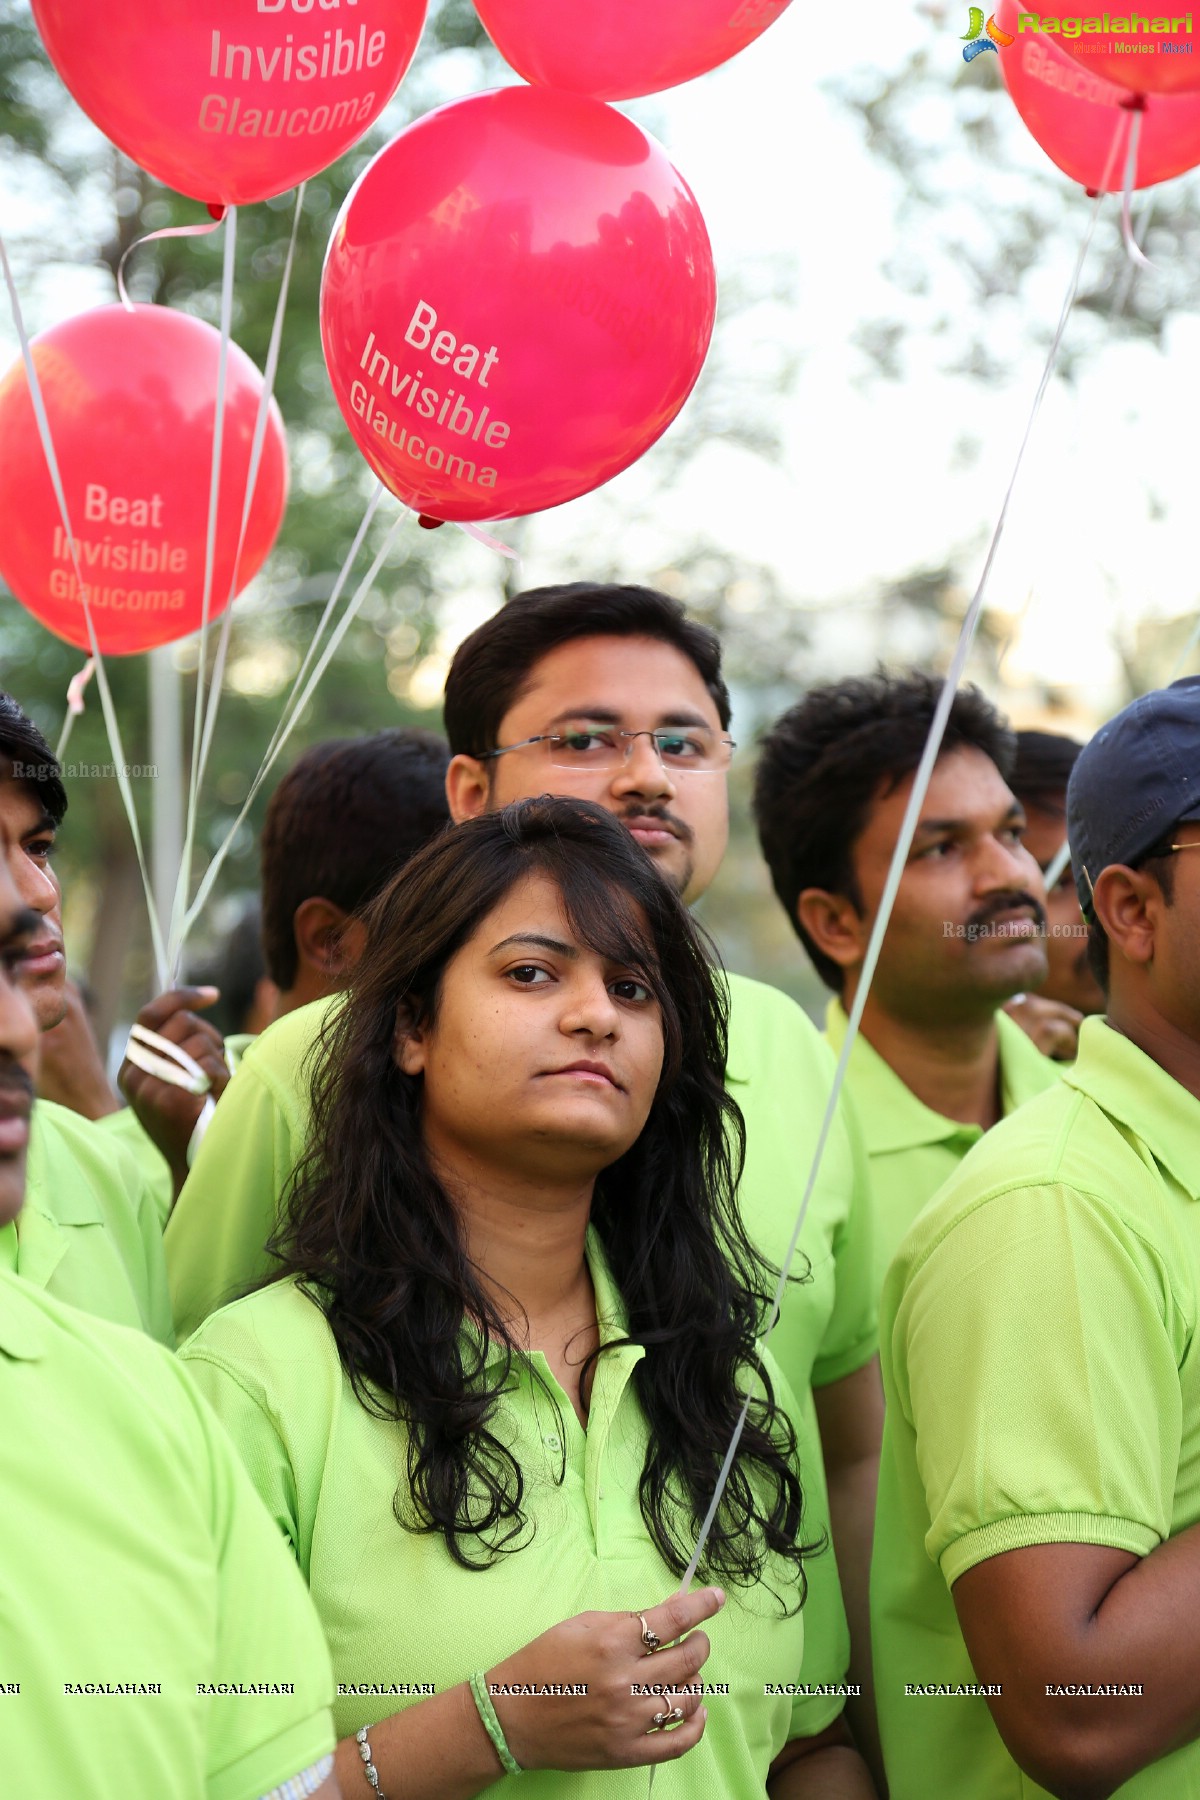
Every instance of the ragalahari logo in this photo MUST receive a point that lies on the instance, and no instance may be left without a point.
(976, 42)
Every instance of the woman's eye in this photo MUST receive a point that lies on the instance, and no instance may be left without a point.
(628, 989)
(529, 975)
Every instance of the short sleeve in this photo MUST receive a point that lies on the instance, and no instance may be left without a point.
(270, 1649)
(852, 1335)
(216, 1237)
(1035, 1354)
(246, 1414)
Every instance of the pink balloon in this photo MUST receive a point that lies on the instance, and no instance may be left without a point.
(231, 100)
(517, 299)
(130, 398)
(1075, 114)
(616, 49)
(1162, 62)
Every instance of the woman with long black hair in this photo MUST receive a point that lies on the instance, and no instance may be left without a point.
(488, 1399)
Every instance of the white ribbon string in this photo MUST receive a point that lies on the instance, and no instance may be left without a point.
(178, 1069)
(1056, 865)
(168, 231)
(260, 432)
(334, 596)
(1133, 249)
(158, 1056)
(109, 711)
(899, 860)
(284, 731)
(177, 931)
(75, 689)
(486, 539)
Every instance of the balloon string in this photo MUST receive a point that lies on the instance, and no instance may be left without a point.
(75, 706)
(168, 231)
(260, 431)
(106, 700)
(1132, 248)
(334, 596)
(284, 732)
(485, 538)
(908, 828)
(183, 881)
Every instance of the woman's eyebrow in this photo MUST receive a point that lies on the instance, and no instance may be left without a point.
(539, 942)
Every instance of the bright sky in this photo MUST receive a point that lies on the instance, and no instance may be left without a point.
(870, 484)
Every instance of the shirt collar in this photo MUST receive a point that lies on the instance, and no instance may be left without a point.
(892, 1116)
(1138, 1093)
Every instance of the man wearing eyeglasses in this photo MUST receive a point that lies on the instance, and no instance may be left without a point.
(612, 694)
(1038, 1551)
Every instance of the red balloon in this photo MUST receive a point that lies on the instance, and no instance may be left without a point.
(131, 400)
(1074, 114)
(616, 49)
(1162, 62)
(517, 299)
(231, 100)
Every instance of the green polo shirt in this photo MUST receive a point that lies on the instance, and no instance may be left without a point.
(778, 1071)
(1042, 1372)
(124, 1127)
(89, 1233)
(139, 1576)
(913, 1149)
(327, 1469)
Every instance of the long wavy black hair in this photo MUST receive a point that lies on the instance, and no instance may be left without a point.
(375, 1240)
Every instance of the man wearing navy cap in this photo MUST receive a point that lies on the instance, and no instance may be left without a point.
(1037, 1552)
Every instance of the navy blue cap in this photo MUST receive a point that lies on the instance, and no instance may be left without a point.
(1136, 780)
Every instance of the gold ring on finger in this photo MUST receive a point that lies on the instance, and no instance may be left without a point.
(662, 1719)
(650, 1639)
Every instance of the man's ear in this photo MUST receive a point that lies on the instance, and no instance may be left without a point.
(468, 787)
(834, 925)
(328, 939)
(1127, 903)
(408, 1043)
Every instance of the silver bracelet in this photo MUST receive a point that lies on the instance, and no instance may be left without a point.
(364, 1750)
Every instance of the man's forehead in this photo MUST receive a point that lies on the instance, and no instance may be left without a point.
(21, 811)
(615, 678)
(965, 788)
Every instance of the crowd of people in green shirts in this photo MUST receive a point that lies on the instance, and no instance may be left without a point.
(460, 1289)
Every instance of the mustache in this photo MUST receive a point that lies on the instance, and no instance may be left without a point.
(997, 904)
(16, 1081)
(654, 809)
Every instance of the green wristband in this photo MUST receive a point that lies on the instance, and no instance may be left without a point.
(491, 1724)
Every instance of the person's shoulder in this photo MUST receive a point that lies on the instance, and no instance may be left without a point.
(91, 1361)
(766, 1024)
(1026, 1070)
(1054, 1144)
(109, 1165)
(278, 1065)
(284, 1044)
(276, 1327)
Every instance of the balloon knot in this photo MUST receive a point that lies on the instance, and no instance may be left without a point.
(1135, 103)
(429, 524)
(216, 210)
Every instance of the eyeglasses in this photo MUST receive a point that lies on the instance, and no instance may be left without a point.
(602, 749)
